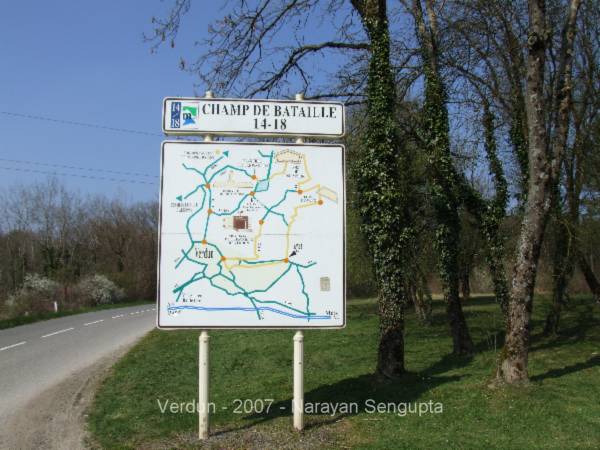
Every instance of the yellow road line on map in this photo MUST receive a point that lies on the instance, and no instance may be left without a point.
(295, 214)
(293, 218)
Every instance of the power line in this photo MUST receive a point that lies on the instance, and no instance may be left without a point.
(19, 169)
(80, 124)
(62, 166)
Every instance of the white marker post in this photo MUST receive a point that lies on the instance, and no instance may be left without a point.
(203, 363)
(203, 382)
(298, 402)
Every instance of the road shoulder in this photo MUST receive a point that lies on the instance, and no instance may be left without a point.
(56, 419)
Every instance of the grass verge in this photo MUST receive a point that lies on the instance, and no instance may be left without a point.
(24, 320)
(558, 409)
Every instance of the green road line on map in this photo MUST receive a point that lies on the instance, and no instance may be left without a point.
(303, 289)
(230, 167)
(236, 209)
(247, 293)
(273, 212)
(208, 215)
(266, 261)
(193, 169)
(269, 210)
(193, 192)
(274, 282)
(191, 280)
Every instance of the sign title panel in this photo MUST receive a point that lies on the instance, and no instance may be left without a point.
(251, 236)
(188, 116)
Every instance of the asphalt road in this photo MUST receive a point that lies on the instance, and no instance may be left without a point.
(38, 356)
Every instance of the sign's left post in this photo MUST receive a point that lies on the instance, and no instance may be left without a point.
(204, 363)
(203, 383)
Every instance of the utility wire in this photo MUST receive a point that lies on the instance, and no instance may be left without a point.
(19, 169)
(80, 124)
(61, 166)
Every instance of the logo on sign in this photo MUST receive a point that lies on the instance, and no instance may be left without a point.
(175, 114)
(189, 114)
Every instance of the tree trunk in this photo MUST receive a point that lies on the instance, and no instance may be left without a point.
(494, 213)
(435, 134)
(490, 214)
(514, 358)
(562, 269)
(382, 193)
(422, 298)
(512, 367)
(498, 275)
(465, 285)
(590, 277)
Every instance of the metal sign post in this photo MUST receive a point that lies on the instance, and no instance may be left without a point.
(203, 363)
(298, 402)
(203, 383)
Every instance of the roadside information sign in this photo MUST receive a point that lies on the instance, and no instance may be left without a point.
(251, 235)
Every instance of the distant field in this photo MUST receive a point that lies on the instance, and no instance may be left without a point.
(24, 320)
(560, 409)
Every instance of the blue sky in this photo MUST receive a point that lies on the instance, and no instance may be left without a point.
(85, 61)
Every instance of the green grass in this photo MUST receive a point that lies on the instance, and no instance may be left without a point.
(559, 409)
(24, 320)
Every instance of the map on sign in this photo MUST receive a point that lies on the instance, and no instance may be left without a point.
(251, 235)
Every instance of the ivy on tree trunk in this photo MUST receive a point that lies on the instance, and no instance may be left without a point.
(382, 196)
(435, 136)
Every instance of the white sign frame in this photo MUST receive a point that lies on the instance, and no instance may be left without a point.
(230, 127)
(255, 144)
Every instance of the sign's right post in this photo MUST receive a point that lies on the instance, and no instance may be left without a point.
(298, 403)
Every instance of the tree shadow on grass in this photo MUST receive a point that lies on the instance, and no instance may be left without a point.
(594, 361)
(566, 336)
(354, 394)
(480, 300)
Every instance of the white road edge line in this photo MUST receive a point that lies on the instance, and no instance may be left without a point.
(12, 346)
(92, 323)
(57, 332)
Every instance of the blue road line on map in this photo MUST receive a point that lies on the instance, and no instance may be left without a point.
(234, 308)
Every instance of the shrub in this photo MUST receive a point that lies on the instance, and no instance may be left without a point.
(98, 290)
(37, 294)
